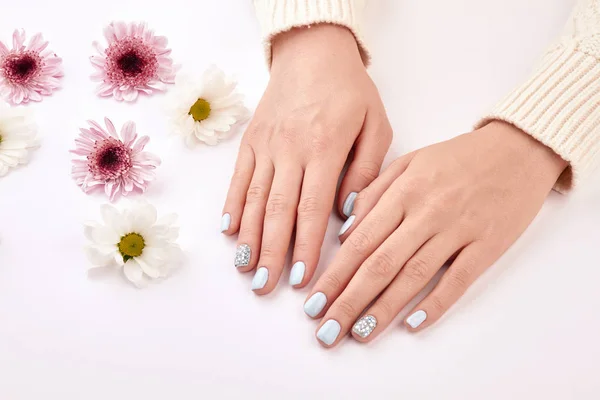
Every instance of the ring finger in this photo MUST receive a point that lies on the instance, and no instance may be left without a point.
(251, 228)
(373, 276)
(415, 275)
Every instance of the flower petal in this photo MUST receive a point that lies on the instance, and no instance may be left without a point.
(133, 272)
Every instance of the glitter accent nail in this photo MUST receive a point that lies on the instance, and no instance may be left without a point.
(364, 326)
(242, 255)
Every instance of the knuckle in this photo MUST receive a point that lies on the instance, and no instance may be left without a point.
(385, 308)
(277, 205)
(346, 308)
(360, 242)
(416, 269)
(459, 279)
(256, 194)
(380, 266)
(320, 144)
(302, 245)
(267, 251)
(332, 281)
(368, 170)
(308, 208)
(289, 135)
(247, 232)
(437, 303)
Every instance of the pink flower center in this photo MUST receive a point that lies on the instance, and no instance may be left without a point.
(20, 68)
(130, 61)
(110, 159)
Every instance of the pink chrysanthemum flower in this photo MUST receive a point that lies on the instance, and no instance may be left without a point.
(135, 61)
(28, 72)
(116, 162)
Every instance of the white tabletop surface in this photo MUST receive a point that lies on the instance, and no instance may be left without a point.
(528, 329)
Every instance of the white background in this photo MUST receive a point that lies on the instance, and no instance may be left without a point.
(529, 328)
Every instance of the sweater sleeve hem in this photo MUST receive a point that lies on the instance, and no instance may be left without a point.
(560, 107)
(277, 16)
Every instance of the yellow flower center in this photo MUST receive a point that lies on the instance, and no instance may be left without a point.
(131, 245)
(200, 110)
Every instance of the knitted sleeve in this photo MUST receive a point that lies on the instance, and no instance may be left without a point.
(559, 105)
(276, 16)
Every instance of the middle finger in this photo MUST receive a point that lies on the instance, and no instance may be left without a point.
(280, 217)
(374, 275)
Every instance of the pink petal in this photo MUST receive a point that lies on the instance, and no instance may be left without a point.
(128, 133)
(111, 128)
(105, 89)
(37, 44)
(3, 49)
(98, 61)
(100, 130)
(130, 94)
(109, 33)
(18, 39)
(141, 143)
(120, 30)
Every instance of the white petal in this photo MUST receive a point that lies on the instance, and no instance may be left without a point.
(148, 265)
(111, 217)
(133, 272)
(99, 258)
(145, 217)
(104, 235)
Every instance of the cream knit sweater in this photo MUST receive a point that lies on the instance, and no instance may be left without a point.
(559, 104)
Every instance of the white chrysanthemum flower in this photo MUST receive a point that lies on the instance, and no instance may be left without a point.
(135, 240)
(207, 109)
(17, 137)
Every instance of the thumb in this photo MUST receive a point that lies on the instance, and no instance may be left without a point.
(369, 151)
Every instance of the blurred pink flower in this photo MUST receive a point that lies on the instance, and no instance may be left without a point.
(135, 61)
(118, 163)
(28, 72)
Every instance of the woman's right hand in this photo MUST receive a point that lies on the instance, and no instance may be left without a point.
(319, 105)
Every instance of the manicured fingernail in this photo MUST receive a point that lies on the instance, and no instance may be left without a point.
(225, 222)
(416, 319)
(347, 225)
(242, 255)
(260, 278)
(297, 274)
(364, 326)
(315, 304)
(349, 204)
(329, 332)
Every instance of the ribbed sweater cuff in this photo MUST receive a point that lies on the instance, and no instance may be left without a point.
(560, 107)
(276, 16)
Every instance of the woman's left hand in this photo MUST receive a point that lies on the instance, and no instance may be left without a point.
(466, 199)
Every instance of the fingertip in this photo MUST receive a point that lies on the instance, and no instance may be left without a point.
(260, 281)
(415, 321)
(229, 224)
(348, 204)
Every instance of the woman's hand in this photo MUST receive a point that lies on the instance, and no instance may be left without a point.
(319, 105)
(466, 199)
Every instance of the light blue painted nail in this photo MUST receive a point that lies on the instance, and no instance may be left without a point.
(297, 274)
(349, 204)
(416, 319)
(329, 332)
(225, 222)
(347, 225)
(260, 278)
(315, 304)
